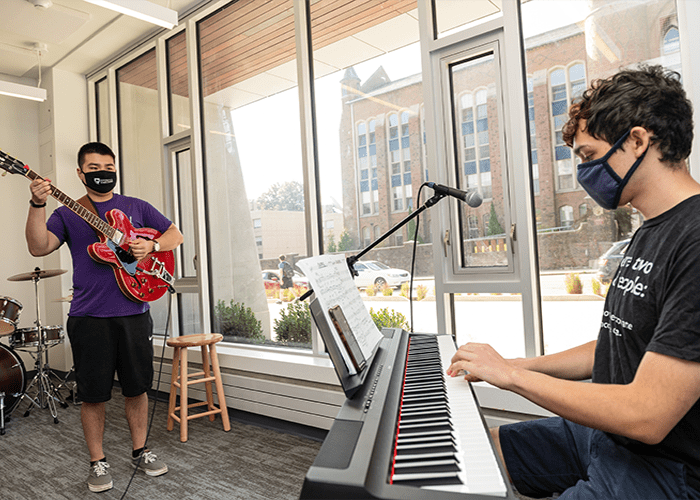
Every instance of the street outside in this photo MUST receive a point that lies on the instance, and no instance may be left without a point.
(568, 320)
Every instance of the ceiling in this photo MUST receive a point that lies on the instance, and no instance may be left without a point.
(77, 36)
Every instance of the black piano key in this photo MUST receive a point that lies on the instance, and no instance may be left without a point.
(421, 455)
(423, 439)
(426, 433)
(427, 466)
(441, 480)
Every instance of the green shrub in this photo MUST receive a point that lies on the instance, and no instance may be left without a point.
(387, 290)
(388, 318)
(421, 292)
(371, 291)
(573, 283)
(237, 320)
(599, 288)
(404, 289)
(294, 323)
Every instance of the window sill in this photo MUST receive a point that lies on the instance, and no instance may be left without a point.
(280, 362)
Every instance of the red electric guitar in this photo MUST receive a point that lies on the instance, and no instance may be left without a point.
(140, 281)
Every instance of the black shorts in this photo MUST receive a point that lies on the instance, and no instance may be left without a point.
(103, 346)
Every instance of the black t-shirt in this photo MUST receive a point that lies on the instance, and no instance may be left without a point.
(654, 305)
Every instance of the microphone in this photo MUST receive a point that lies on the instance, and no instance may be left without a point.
(471, 198)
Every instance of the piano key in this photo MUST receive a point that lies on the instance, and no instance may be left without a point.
(423, 456)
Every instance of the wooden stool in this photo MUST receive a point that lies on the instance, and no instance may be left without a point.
(183, 380)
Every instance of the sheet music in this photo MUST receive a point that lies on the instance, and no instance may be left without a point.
(333, 285)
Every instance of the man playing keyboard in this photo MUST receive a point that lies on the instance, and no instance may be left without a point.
(634, 431)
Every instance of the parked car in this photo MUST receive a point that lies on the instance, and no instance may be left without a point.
(373, 272)
(610, 261)
(273, 276)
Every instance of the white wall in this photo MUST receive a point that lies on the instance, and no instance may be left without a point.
(46, 136)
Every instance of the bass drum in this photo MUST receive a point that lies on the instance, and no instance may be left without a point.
(13, 378)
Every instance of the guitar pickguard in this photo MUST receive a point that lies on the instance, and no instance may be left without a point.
(127, 261)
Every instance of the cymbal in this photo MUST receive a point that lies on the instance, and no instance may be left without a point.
(37, 274)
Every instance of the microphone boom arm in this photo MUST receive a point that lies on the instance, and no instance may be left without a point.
(429, 203)
(354, 258)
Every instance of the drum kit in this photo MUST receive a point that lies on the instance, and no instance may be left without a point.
(41, 391)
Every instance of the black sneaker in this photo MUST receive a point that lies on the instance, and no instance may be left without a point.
(149, 463)
(99, 479)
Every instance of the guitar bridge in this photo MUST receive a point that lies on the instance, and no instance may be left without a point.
(158, 270)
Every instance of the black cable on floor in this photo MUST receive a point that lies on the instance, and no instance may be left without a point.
(153, 411)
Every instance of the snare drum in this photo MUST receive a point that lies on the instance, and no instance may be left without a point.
(29, 337)
(13, 378)
(10, 310)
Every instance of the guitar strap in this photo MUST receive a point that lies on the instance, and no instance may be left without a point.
(87, 202)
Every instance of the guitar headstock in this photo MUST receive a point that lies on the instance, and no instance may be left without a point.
(12, 165)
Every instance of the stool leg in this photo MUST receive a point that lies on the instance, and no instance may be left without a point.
(173, 388)
(220, 388)
(183, 394)
(207, 385)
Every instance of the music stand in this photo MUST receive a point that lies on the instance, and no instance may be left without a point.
(350, 382)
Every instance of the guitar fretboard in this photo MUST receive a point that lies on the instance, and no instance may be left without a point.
(82, 212)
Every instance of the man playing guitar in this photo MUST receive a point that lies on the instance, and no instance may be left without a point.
(108, 331)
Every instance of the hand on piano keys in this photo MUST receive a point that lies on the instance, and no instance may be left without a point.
(481, 362)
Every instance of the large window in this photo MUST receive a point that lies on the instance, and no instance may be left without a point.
(371, 149)
(253, 168)
(569, 44)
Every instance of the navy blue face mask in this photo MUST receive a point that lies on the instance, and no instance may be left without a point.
(601, 182)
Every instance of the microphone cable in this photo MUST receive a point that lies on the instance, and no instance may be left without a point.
(155, 400)
(413, 260)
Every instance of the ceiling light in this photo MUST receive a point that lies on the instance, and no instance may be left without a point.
(23, 91)
(141, 9)
(41, 4)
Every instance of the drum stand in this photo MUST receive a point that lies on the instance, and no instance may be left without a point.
(46, 393)
(2, 413)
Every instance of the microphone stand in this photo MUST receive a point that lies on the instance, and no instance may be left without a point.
(429, 203)
(354, 258)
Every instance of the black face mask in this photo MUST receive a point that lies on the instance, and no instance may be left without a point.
(102, 181)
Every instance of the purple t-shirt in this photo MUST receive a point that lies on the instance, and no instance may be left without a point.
(95, 289)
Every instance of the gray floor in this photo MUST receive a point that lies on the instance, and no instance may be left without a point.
(40, 459)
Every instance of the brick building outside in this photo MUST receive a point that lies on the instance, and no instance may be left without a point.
(384, 162)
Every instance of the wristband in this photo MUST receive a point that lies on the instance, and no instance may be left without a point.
(36, 205)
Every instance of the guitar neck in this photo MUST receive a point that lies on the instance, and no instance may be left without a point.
(95, 222)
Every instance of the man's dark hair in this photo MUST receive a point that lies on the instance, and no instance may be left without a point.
(648, 96)
(94, 147)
